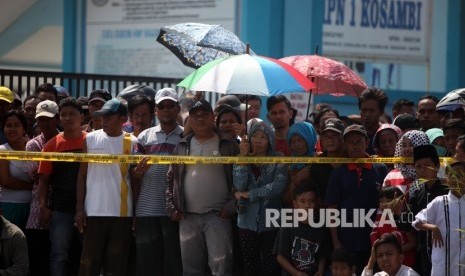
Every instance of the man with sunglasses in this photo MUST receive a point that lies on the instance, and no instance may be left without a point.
(199, 196)
(157, 237)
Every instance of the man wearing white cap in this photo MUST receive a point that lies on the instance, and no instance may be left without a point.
(37, 233)
(157, 237)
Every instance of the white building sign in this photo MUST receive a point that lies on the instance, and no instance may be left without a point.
(378, 30)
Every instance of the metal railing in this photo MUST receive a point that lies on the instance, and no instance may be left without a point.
(25, 82)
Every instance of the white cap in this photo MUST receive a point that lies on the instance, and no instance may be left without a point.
(46, 108)
(166, 94)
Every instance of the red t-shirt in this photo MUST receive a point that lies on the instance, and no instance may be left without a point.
(60, 144)
(63, 175)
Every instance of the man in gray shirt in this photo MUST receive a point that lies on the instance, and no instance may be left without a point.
(200, 196)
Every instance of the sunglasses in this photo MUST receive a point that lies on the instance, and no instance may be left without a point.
(166, 106)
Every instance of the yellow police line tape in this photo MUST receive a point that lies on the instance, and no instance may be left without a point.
(175, 159)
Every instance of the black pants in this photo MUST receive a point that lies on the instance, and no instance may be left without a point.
(257, 253)
(38, 243)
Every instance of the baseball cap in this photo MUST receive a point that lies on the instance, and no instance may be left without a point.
(6, 94)
(201, 104)
(99, 95)
(61, 90)
(166, 94)
(434, 133)
(355, 128)
(333, 124)
(83, 101)
(112, 107)
(47, 108)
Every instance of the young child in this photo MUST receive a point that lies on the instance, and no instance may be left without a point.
(453, 128)
(387, 253)
(460, 149)
(423, 191)
(303, 250)
(444, 217)
(342, 263)
(406, 235)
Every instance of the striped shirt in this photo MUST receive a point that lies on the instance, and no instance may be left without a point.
(152, 197)
(397, 179)
(36, 144)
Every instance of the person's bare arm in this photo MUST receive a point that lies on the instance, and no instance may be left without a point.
(80, 217)
(10, 182)
(45, 212)
(436, 233)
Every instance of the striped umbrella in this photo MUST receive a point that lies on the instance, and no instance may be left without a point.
(247, 74)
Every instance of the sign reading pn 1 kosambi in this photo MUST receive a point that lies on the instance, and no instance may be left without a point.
(378, 30)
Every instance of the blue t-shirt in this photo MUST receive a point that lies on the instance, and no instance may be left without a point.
(353, 188)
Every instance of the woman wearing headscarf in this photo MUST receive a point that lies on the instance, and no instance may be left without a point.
(301, 139)
(403, 174)
(259, 187)
(385, 141)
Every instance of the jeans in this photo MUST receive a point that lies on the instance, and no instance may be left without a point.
(62, 233)
(206, 236)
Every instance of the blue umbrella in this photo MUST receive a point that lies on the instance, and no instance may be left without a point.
(196, 44)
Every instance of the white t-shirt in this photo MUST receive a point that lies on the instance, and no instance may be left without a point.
(403, 271)
(108, 194)
(18, 170)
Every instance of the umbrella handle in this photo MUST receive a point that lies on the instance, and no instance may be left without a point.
(246, 107)
(308, 105)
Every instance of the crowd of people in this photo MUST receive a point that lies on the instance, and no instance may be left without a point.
(70, 218)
